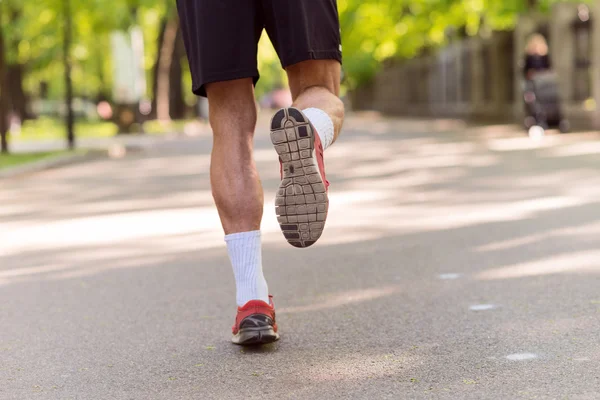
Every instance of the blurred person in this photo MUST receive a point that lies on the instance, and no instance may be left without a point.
(282, 98)
(277, 98)
(15, 124)
(221, 39)
(104, 110)
(536, 56)
(542, 100)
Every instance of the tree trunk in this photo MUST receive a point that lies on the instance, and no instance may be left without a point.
(104, 90)
(532, 4)
(165, 61)
(4, 96)
(70, 118)
(161, 35)
(15, 73)
(177, 102)
(18, 97)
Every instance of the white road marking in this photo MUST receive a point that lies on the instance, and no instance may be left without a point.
(483, 307)
(449, 276)
(521, 356)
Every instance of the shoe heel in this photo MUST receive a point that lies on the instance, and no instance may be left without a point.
(256, 337)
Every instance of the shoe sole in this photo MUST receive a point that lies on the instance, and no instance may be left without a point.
(301, 203)
(255, 336)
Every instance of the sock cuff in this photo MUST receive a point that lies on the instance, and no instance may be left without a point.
(315, 110)
(322, 123)
(242, 235)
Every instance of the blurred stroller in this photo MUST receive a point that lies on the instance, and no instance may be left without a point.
(542, 103)
(541, 90)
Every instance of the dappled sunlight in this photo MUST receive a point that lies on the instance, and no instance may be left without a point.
(540, 180)
(576, 149)
(584, 231)
(407, 184)
(585, 261)
(266, 156)
(555, 145)
(375, 219)
(422, 179)
(69, 269)
(132, 262)
(342, 299)
(429, 183)
(182, 200)
(378, 124)
(14, 274)
(511, 243)
(521, 143)
(69, 261)
(107, 229)
(495, 130)
(136, 244)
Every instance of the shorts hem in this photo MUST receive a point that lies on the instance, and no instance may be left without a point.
(200, 89)
(314, 55)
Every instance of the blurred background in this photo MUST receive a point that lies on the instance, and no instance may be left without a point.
(461, 254)
(105, 67)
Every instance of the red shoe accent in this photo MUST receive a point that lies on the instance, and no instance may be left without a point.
(280, 168)
(320, 161)
(255, 307)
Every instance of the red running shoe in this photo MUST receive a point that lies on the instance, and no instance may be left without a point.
(301, 202)
(255, 323)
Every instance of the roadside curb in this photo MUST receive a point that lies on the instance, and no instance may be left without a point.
(51, 162)
(116, 148)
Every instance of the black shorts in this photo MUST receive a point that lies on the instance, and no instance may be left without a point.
(221, 36)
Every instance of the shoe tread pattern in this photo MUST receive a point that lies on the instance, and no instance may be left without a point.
(301, 202)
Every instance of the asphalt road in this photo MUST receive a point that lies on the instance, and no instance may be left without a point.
(457, 263)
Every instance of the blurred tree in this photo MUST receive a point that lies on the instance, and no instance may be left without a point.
(167, 70)
(4, 95)
(271, 74)
(13, 101)
(67, 38)
(372, 31)
(15, 69)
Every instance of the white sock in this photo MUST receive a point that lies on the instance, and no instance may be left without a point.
(322, 123)
(246, 259)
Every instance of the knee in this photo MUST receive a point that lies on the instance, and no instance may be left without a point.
(230, 121)
(232, 108)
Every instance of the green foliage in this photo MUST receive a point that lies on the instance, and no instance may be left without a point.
(34, 31)
(374, 30)
(45, 128)
(271, 74)
(14, 160)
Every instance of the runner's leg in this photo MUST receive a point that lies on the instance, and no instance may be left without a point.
(235, 183)
(221, 42)
(306, 35)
